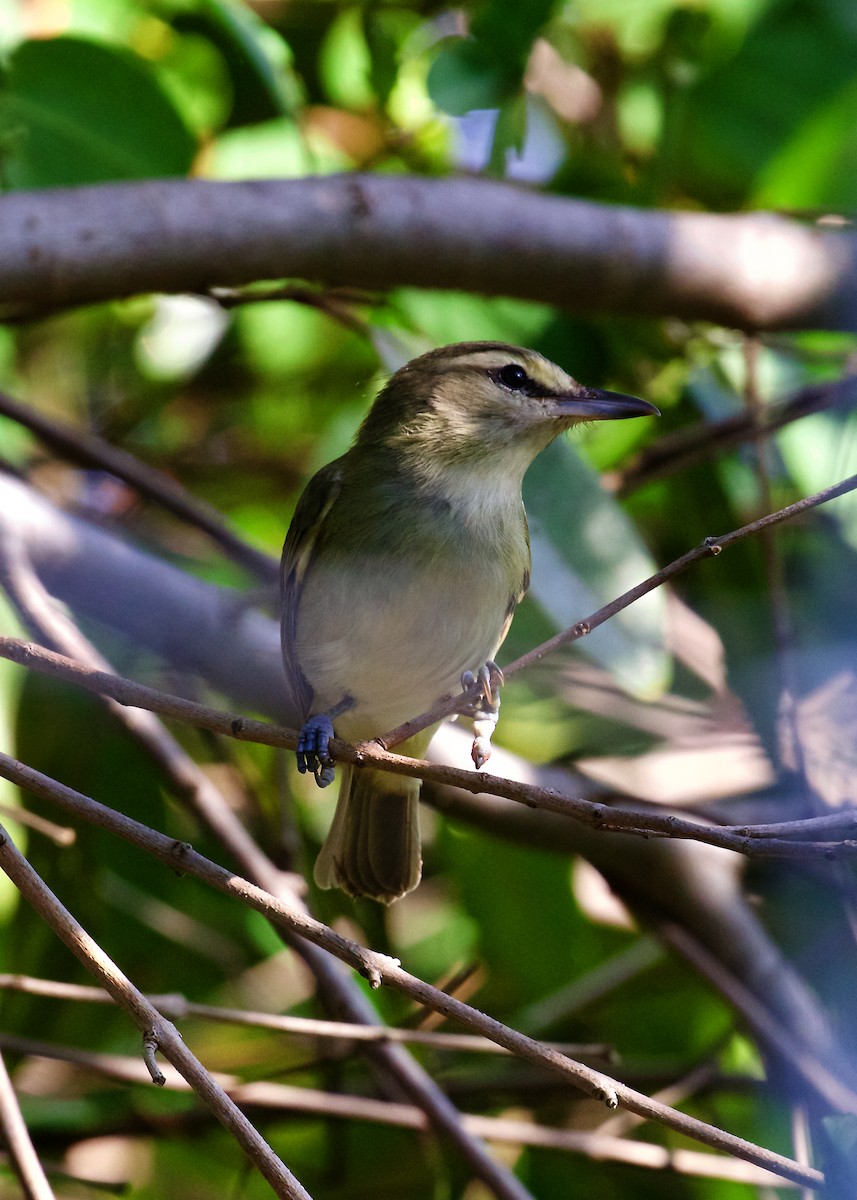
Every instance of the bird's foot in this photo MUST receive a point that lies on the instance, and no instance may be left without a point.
(314, 749)
(485, 710)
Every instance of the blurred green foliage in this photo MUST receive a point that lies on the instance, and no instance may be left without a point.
(716, 104)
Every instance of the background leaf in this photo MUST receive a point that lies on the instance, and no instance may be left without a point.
(75, 111)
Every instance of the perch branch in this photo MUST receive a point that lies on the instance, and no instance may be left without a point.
(810, 838)
(710, 547)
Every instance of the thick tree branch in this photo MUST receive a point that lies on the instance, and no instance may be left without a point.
(758, 271)
(199, 629)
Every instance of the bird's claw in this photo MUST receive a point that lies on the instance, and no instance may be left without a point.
(314, 749)
(490, 680)
(485, 710)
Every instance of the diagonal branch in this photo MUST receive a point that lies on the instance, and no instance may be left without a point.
(157, 1032)
(15, 1136)
(378, 969)
(92, 451)
(192, 785)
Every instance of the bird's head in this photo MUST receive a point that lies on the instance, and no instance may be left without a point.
(463, 402)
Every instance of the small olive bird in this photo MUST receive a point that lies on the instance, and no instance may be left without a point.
(402, 568)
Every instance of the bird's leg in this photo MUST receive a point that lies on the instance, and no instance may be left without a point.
(485, 711)
(314, 743)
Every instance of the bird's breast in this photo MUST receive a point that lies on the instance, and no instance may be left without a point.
(394, 629)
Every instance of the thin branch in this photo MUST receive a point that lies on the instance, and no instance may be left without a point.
(710, 547)
(681, 448)
(15, 1136)
(176, 1006)
(336, 303)
(68, 246)
(805, 839)
(150, 1022)
(379, 969)
(92, 451)
(288, 1098)
(197, 789)
(60, 835)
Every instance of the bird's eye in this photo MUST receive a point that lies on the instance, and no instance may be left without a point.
(513, 376)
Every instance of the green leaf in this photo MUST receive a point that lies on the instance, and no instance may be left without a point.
(586, 552)
(818, 167)
(466, 76)
(74, 111)
(256, 57)
(745, 113)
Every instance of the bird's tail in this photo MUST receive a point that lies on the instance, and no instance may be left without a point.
(373, 847)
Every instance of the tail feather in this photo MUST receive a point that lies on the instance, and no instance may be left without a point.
(373, 847)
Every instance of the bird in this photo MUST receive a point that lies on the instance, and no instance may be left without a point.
(402, 568)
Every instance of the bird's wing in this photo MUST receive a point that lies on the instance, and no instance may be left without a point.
(314, 505)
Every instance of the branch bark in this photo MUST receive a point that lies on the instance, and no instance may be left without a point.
(22, 1153)
(333, 1105)
(157, 1032)
(380, 969)
(74, 246)
(192, 785)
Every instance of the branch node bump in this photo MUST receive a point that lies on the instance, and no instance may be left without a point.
(150, 1049)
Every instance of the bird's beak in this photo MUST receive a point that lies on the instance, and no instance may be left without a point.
(591, 404)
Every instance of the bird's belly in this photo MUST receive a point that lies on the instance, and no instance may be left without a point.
(395, 642)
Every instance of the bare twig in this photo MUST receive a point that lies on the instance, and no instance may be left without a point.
(154, 1027)
(379, 969)
(15, 1136)
(336, 303)
(681, 448)
(176, 1006)
(60, 835)
(362, 1108)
